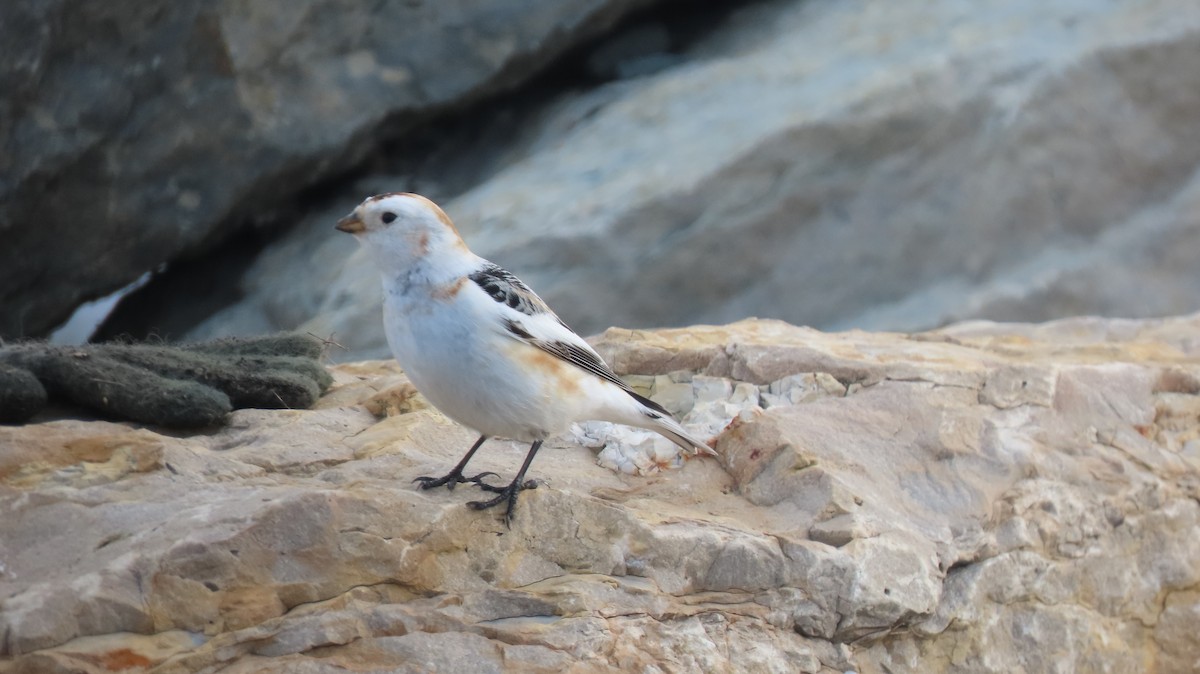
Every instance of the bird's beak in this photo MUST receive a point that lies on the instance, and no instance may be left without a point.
(350, 224)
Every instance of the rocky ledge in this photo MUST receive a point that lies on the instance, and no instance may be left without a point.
(983, 498)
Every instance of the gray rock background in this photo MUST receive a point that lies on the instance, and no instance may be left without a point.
(839, 164)
(832, 163)
(142, 133)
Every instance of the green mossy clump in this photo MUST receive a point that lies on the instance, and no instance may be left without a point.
(284, 344)
(184, 386)
(130, 392)
(21, 394)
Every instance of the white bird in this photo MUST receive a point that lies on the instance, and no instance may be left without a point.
(482, 347)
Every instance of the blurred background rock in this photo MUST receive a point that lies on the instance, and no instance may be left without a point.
(835, 163)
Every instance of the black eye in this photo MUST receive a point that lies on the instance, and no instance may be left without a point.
(388, 217)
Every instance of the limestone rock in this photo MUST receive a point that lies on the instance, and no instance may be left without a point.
(925, 511)
(140, 132)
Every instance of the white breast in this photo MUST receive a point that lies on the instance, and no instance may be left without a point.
(464, 367)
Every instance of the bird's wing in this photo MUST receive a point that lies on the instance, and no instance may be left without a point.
(504, 287)
(525, 317)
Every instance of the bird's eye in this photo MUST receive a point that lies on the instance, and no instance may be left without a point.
(388, 217)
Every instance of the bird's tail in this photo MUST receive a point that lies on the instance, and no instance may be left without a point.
(674, 432)
(659, 420)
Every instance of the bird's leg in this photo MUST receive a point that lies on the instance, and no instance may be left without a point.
(510, 492)
(455, 476)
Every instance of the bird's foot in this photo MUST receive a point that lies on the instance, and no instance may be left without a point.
(507, 494)
(454, 478)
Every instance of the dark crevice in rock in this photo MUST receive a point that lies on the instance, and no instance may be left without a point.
(960, 565)
(440, 152)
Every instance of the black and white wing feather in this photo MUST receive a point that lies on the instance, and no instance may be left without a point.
(525, 317)
(504, 287)
(533, 322)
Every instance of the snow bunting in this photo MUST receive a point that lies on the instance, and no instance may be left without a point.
(482, 347)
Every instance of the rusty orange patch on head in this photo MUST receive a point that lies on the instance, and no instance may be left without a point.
(428, 203)
(434, 208)
(437, 211)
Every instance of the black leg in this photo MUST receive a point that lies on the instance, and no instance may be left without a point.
(510, 492)
(455, 476)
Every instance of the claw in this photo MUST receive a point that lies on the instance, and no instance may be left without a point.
(426, 482)
(455, 476)
(504, 494)
(484, 485)
(453, 479)
(478, 480)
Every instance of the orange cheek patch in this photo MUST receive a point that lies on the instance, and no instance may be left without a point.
(419, 242)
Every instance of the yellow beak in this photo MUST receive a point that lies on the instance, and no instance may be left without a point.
(350, 224)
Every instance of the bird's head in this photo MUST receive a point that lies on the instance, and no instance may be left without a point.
(402, 227)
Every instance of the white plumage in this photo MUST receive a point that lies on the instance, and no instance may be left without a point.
(484, 348)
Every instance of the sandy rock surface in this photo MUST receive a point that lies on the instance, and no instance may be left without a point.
(984, 498)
